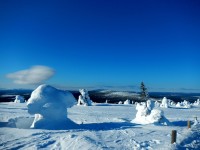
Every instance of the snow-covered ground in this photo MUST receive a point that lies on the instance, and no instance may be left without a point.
(101, 126)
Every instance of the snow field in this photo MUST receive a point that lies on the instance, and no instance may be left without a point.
(101, 126)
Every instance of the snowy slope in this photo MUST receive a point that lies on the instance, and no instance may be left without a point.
(103, 126)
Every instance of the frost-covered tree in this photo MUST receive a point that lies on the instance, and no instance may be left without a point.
(144, 93)
(50, 108)
(127, 102)
(165, 103)
(145, 115)
(84, 98)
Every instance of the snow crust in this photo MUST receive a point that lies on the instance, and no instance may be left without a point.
(50, 107)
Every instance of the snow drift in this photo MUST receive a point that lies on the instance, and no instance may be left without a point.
(50, 107)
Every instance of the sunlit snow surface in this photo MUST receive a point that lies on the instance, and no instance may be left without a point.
(103, 126)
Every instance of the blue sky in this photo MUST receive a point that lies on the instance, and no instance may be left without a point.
(100, 43)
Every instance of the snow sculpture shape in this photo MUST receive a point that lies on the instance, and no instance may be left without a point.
(50, 107)
(84, 98)
(146, 116)
(19, 99)
(164, 103)
(127, 102)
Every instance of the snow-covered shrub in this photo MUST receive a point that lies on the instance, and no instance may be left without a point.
(164, 103)
(127, 102)
(146, 116)
(84, 98)
(50, 107)
(19, 99)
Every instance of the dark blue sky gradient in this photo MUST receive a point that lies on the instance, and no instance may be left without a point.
(97, 43)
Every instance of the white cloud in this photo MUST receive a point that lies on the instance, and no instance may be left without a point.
(33, 75)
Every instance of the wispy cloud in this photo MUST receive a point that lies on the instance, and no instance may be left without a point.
(33, 75)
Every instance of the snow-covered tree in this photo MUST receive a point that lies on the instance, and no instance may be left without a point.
(196, 103)
(147, 116)
(186, 104)
(19, 99)
(84, 98)
(150, 104)
(178, 104)
(164, 103)
(144, 93)
(127, 102)
(157, 104)
(50, 107)
(120, 102)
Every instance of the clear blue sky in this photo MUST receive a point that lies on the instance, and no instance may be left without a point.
(103, 43)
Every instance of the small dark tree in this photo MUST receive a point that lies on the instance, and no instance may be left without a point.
(144, 93)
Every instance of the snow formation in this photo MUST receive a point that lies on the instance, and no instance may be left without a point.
(150, 104)
(120, 102)
(84, 98)
(127, 102)
(196, 103)
(184, 104)
(19, 99)
(164, 103)
(195, 121)
(147, 115)
(50, 107)
(102, 127)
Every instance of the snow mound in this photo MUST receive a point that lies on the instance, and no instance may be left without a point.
(84, 98)
(164, 103)
(19, 99)
(145, 115)
(50, 107)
